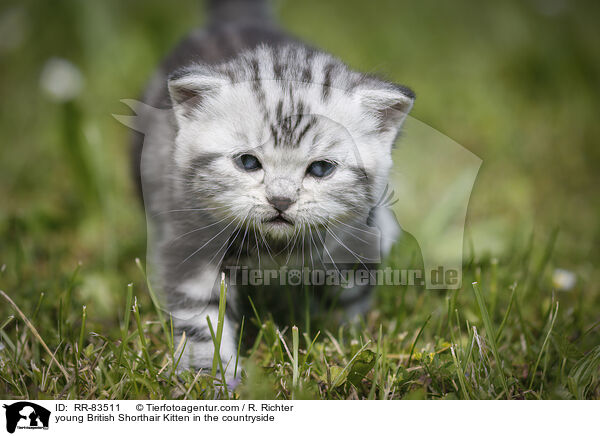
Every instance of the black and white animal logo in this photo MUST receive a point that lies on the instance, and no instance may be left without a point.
(26, 415)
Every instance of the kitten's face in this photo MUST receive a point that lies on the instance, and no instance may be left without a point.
(280, 156)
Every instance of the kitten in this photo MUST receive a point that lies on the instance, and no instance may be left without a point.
(272, 153)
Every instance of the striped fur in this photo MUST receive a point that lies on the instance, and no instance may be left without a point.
(241, 86)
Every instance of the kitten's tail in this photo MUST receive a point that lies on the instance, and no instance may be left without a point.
(235, 11)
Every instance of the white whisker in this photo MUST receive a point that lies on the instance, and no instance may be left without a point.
(201, 228)
(188, 210)
(205, 244)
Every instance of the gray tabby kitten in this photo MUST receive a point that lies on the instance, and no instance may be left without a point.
(272, 153)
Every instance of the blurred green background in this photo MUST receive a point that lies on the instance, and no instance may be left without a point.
(516, 83)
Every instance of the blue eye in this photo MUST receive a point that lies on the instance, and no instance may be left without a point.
(320, 168)
(248, 162)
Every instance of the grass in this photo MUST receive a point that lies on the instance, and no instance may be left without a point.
(78, 319)
(440, 345)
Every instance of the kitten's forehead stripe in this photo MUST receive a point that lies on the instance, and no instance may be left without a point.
(306, 128)
(297, 119)
(307, 75)
(277, 67)
(289, 130)
(257, 87)
(275, 135)
(231, 75)
(327, 73)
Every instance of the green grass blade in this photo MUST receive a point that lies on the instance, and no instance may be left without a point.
(82, 330)
(239, 347)
(141, 335)
(508, 309)
(295, 345)
(544, 345)
(461, 376)
(487, 322)
(156, 304)
(412, 348)
(220, 323)
(217, 362)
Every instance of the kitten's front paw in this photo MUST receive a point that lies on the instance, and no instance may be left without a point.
(198, 356)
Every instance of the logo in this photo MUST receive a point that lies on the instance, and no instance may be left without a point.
(26, 415)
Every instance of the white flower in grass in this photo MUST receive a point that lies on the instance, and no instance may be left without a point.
(563, 279)
(61, 80)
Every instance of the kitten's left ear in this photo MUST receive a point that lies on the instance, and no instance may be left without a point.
(389, 105)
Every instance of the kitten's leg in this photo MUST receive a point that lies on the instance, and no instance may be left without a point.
(377, 242)
(191, 302)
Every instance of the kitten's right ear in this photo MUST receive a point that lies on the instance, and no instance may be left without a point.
(189, 88)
